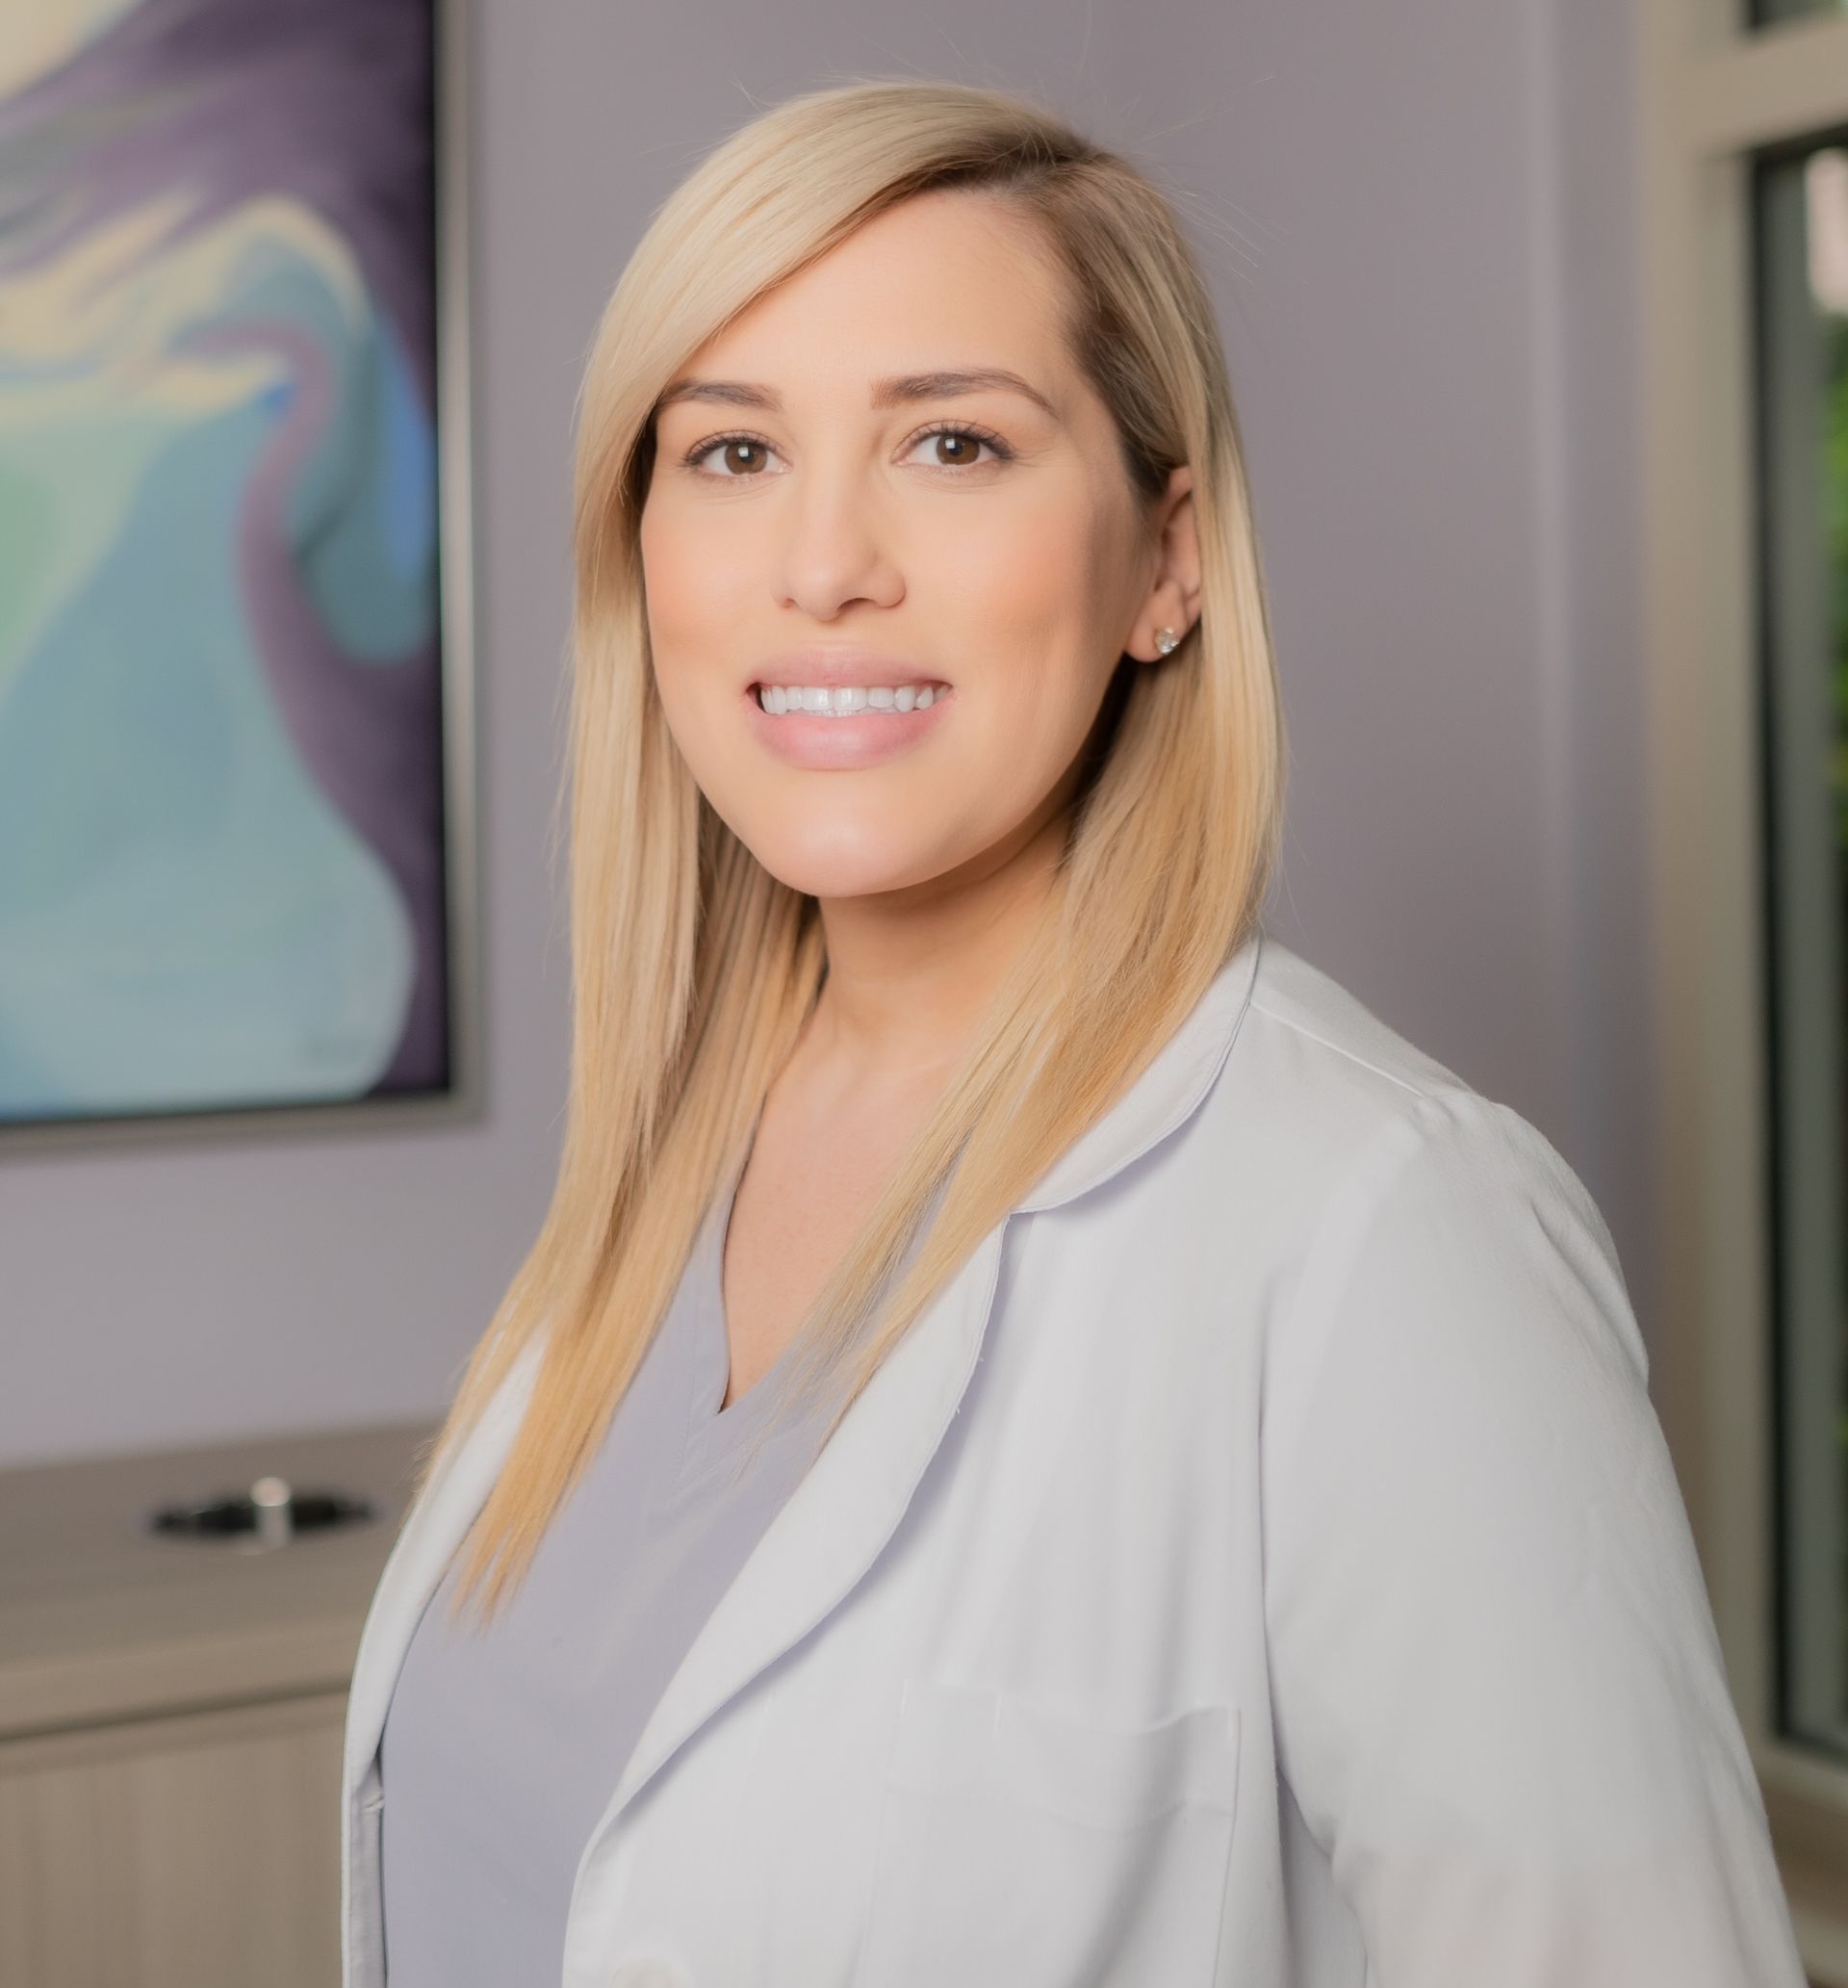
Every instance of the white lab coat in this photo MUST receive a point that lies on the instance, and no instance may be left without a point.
(1260, 1567)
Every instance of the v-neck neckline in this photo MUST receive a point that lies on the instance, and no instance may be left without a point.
(713, 1433)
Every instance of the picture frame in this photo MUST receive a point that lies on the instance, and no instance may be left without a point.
(239, 844)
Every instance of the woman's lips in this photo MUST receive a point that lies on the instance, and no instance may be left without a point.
(832, 742)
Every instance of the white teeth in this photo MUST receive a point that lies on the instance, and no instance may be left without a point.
(845, 699)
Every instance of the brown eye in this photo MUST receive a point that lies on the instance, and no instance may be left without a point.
(959, 447)
(730, 458)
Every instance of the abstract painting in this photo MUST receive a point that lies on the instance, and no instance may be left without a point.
(226, 848)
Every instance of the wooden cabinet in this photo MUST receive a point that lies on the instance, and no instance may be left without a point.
(170, 1718)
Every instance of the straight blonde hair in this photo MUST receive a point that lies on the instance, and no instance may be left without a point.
(694, 969)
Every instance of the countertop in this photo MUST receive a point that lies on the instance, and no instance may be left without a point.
(103, 1619)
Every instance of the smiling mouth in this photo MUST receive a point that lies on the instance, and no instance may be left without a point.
(848, 700)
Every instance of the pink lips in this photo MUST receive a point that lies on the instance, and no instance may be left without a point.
(827, 744)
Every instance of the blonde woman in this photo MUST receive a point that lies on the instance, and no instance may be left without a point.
(1039, 1442)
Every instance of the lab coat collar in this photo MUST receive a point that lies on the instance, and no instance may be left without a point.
(1165, 1095)
(847, 1504)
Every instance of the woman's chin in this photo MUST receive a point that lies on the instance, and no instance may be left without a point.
(833, 876)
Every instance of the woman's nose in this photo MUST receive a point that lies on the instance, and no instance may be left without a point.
(836, 546)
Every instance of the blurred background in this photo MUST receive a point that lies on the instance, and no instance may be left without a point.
(1537, 318)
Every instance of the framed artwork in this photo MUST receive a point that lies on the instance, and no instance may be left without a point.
(237, 869)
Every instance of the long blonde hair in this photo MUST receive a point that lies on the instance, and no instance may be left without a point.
(694, 969)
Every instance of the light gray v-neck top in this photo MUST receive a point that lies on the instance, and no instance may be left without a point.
(501, 1750)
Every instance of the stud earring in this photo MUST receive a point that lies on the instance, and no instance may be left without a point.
(1167, 640)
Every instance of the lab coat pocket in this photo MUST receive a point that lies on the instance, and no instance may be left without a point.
(1021, 1846)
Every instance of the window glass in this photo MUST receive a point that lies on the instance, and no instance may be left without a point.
(1801, 217)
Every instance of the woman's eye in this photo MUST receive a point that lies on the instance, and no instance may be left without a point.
(741, 455)
(954, 448)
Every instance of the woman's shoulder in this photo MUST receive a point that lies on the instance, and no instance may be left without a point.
(1310, 1061)
(1309, 1035)
(1340, 1122)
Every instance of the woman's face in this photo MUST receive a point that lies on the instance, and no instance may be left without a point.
(831, 506)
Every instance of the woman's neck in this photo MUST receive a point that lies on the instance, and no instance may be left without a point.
(911, 974)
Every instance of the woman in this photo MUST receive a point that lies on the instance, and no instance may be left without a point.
(1039, 1442)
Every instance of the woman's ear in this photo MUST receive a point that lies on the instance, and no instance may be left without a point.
(1173, 598)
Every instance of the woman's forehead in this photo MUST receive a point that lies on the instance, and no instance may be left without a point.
(945, 280)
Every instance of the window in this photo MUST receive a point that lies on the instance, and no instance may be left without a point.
(1800, 236)
(1744, 289)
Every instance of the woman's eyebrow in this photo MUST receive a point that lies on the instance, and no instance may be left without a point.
(887, 393)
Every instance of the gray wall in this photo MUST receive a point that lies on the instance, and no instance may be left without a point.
(1417, 216)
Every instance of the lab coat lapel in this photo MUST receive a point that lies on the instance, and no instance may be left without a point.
(433, 1529)
(832, 1528)
(820, 1543)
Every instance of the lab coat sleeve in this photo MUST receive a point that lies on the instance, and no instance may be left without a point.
(1498, 1695)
